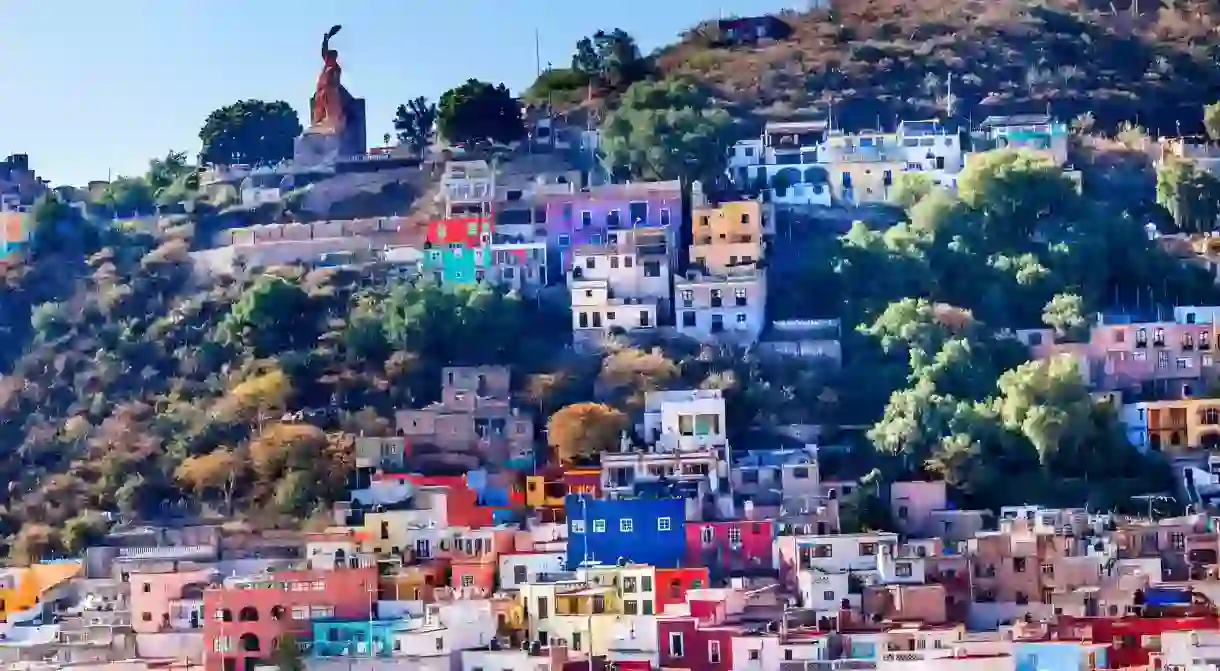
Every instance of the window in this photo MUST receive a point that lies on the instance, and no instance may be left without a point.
(713, 652)
(800, 473)
(741, 318)
(717, 298)
(868, 549)
(543, 608)
(1048, 569)
(665, 216)
(576, 640)
(788, 654)
(147, 617)
(519, 574)
(599, 526)
(740, 295)
(440, 644)
(626, 526)
(675, 644)
(652, 269)
(688, 319)
(564, 240)
(613, 219)
(828, 595)
(614, 261)
(628, 261)
(706, 534)
(629, 584)
(688, 298)
(1018, 564)
(586, 219)
(590, 262)
(147, 587)
(823, 551)
(647, 607)
(300, 612)
(646, 586)
(468, 580)
(631, 607)
(734, 534)
(318, 612)
(222, 644)
(1178, 540)
(902, 569)
(663, 524)
(578, 526)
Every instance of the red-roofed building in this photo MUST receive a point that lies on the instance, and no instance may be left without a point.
(1130, 634)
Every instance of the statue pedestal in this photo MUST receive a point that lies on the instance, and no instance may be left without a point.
(314, 149)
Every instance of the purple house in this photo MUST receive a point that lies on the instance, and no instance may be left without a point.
(593, 215)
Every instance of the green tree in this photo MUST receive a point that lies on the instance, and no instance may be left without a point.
(128, 197)
(249, 131)
(163, 172)
(911, 187)
(480, 112)
(1066, 314)
(1015, 192)
(416, 124)
(666, 130)
(610, 58)
(1191, 195)
(273, 315)
(1211, 121)
(287, 654)
(1046, 401)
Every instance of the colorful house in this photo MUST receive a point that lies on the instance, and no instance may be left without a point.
(458, 251)
(597, 216)
(351, 638)
(642, 531)
(23, 591)
(14, 233)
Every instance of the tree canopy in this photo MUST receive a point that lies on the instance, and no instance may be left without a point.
(415, 123)
(480, 112)
(666, 130)
(611, 59)
(249, 131)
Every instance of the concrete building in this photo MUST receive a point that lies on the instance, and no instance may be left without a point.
(727, 236)
(652, 210)
(642, 531)
(169, 600)
(930, 147)
(618, 285)
(862, 167)
(721, 307)
(467, 188)
(597, 312)
(685, 420)
(473, 423)
(784, 163)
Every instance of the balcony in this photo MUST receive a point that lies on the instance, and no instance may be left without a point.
(828, 665)
(163, 553)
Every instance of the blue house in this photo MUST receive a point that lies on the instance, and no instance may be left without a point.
(355, 638)
(642, 531)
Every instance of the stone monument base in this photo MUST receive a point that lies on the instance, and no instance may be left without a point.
(316, 149)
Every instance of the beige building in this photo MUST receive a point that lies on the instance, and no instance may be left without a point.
(597, 311)
(474, 422)
(862, 167)
(721, 307)
(727, 236)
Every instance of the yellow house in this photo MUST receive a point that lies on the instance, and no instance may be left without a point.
(394, 531)
(22, 589)
(727, 235)
(862, 167)
(549, 489)
(1174, 426)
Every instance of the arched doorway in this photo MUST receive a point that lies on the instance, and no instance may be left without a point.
(248, 614)
(249, 643)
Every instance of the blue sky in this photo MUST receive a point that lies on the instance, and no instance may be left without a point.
(95, 88)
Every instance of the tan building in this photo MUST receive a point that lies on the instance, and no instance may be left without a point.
(597, 311)
(727, 236)
(862, 167)
(721, 307)
(474, 423)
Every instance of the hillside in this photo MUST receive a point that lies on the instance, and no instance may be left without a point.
(877, 60)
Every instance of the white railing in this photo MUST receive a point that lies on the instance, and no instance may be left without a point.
(167, 552)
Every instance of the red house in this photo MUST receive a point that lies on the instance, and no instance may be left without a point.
(1129, 634)
(696, 643)
(673, 584)
(469, 232)
(244, 619)
(733, 546)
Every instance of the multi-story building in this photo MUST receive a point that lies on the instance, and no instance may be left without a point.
(467, 188)
(862, 167)
(551, 487)
(458, 251)
(15, 230)
(731, 547)
(784, 162)
(1158, 358)
(774, 474)
(1176, 426)
(627, 473)
(1039, 133)
(474, 422)
(727, 307)
(245, 618)
(170, 600)
(685, 420)
(643, 531)
(520, 266)
(932, 148)
(597, 312)
(727, 236)
(596, 215)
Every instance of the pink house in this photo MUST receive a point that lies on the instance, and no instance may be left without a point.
(1166, 355)
(167, 601)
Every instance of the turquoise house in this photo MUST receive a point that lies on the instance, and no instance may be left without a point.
(457, 251)
(355, 638)
(1058, 656)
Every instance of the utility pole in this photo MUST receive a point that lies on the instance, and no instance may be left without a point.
(537, 53)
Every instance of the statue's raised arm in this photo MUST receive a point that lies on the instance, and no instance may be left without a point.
(334, 30)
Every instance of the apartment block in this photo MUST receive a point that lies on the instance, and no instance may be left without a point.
(862, 167)
(685, 419)
(727, 236)
(721, 307)
(783, 163)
